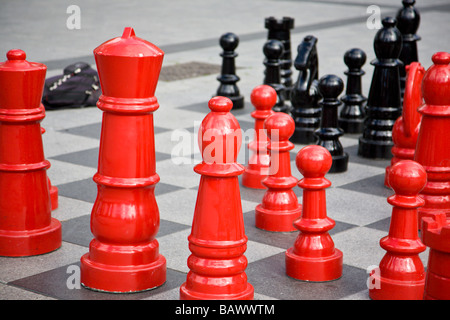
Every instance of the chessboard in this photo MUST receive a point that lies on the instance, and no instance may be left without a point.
(356, 200)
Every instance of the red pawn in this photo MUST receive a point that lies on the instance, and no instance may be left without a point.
(433, 143)
(124, 254)
(279, 207)
(401, 275)
(406, 127)
(26, 225)
(217, 240)
(314, 256)
(436, 236)
(263, 98)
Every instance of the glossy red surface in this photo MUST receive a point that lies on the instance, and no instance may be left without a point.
(313, 256)
(436, 236)
(263, 98)
(26, 225)
(406, 127)
(433, 143)
(401, 274)
(217, 240)
(279, 207)
(124, 254)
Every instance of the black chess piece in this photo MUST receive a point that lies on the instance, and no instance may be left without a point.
(280, 29)
(273, 49)
(305, 94)
(228, 78)
(352, 115)
(408, 20)
(384, 103)
(330, 87)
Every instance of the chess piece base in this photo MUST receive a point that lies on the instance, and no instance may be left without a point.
(238, 102)
(122, 269)
(30, 242)
(318, 269)
(186, 294)
(352, 126)
(340, 163)
(389, 289)
(375, 149)
(276, 221)
(304, 136)
(253, 178)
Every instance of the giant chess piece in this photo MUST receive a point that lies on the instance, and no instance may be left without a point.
(273, 50)
(228, 78)
(124, 254)
(401, 274)
(263, 98)
(280, 29)
(279, 207)
(26, 225)
(383, 104)
(406, 128)
(353, 114)
(433, 145)
(313, 257)
(217, 240)
(408, 19)
(305, 94)
(330, 87)
(436, 236)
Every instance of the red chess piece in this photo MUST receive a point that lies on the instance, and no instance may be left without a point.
(124, 254)
(53, 190)
(433, 143)
(401, 275)
(217, 240)
(263, 98)
(279, 207)
(436, 236)
(314, 256)
(406, 127)
(26, 225)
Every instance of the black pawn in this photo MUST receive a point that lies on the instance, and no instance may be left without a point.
(228, 78)
(384, 103)
(330, 87)
(281, 30)
(352, 115)
(408, 20)
(273, 49)
(305, 94)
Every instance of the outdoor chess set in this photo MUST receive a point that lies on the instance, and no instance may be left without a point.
(141, 211)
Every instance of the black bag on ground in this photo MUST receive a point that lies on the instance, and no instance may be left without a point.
(78, 87)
